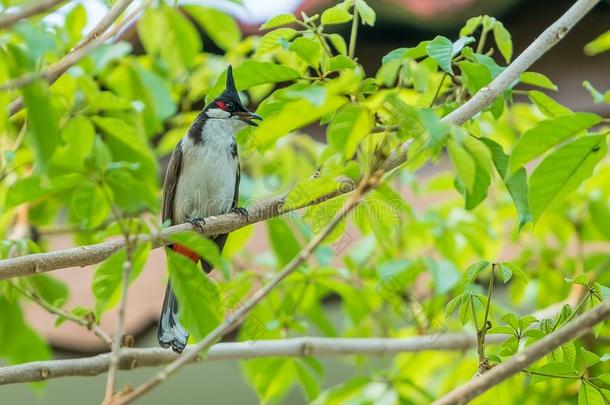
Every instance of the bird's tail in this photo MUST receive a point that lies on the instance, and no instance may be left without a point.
(170, 333)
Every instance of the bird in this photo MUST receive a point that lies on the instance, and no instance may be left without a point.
(202, 179)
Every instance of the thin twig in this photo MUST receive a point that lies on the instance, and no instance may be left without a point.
(354, 33)
(37, 7)
(87, 323)
(294, 347)
(528, 356)
(115, 356)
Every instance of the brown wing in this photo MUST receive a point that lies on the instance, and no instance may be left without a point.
(171, 182)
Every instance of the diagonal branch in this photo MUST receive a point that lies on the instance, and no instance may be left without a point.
(531, 354)
(37, 7)
(131, 358)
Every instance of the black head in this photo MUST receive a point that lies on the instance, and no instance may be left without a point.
(229, 106)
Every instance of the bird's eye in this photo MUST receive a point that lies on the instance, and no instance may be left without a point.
(230, 107)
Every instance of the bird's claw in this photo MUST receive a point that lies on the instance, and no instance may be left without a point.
(241, 211)
(197, 223)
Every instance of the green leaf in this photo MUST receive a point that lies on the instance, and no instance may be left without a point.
(221, 27)
(511, 319)
(453, 305)
(547, 134)
(284, 244)
(339, 43)
(273, 39)
(503, 40)
(589, 395)
(108, 278)
(169, 33)
(599, 44)
(555, 368)
(340, 62)
(580, 279)
(278, 21)
(589, 358)
(347, 129)
(463, 162)
(43, 131)
(253, 73)
(516, 183)
(563, 171)
(505, 273)
(310, 385)
(367, 14)
(471, 25)
(89, 205)
(474, 270)
(515, 270)
(336, 15)
(19, 343)
(307, 49)
(198, 296)
(50, 289)
(547, 105)
(442, 50)
(537, 79)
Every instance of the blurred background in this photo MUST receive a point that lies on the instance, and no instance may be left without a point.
(400, 23)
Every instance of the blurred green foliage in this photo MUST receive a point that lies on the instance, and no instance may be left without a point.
(527, 180)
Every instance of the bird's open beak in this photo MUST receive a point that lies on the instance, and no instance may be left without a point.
(248, 116)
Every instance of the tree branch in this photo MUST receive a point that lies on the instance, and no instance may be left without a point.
(529, 355)
(37, 7)
(551, 36)
(131, 358)
(91, 254)
(98, 35)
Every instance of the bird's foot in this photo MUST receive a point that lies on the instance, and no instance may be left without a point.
(197, 223)
(241, 211)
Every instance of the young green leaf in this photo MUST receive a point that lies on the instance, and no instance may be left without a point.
(516, 184)
(547, 105)
(336, 15)
(442, 50)
(503, 40)
(221, 27)
(43, 130)
(278, 21)
(547, 134)
(563, 171)
(537, 79)
(347, 129)
(474, 270)
(308, 50)
(599, 44)
(367, 14)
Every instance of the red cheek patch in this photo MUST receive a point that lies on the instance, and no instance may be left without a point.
(221, 105)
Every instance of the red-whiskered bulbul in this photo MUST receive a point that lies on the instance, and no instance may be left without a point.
(202, 179)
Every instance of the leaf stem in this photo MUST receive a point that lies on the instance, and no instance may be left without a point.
(354, 33)
(483, 364)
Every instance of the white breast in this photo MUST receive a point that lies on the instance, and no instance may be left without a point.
(206, 185)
